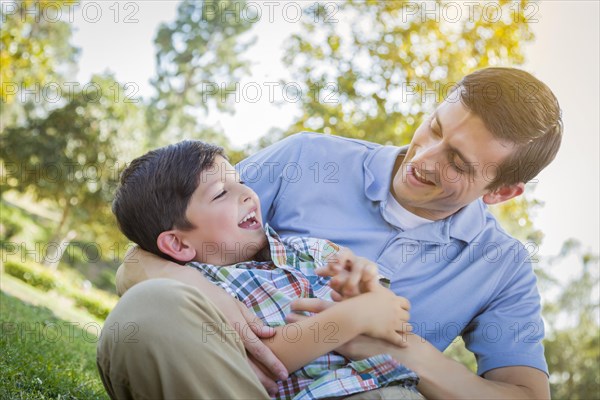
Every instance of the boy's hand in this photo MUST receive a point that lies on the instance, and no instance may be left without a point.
(384, 315)
(351, 275)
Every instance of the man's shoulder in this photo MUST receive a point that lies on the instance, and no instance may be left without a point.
(494, 234)
(308, 138)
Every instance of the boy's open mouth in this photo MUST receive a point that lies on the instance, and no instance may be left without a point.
(249, 221)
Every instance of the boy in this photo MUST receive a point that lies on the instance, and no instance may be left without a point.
(185, 203)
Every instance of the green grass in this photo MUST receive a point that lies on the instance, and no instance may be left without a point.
(42, 358)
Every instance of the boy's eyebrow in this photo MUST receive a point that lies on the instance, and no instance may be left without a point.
(207, 186)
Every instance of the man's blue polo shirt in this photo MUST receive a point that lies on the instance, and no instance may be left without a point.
(463, 275)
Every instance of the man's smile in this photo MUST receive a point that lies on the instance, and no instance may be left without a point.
(412, 171)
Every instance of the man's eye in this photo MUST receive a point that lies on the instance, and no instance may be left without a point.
(242, 182)
(457, 164)
(223, 193)
(433, 126)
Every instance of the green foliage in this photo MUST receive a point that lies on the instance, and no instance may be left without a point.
(35, 276)
(94, 304)
(11, 223)
(198, 60)
(34, 51)
(98, 303)
(71, 153)
(573, 340)
(574, 357)
(458, 352)
(376, 81)
(42, 358)
(71, 157)
(516, 216)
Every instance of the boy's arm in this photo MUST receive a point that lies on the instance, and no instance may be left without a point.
(379, 314)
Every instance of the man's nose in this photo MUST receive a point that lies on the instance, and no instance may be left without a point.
(429, 151)
(429, 159)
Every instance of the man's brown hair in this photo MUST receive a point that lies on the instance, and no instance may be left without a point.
(517, 107)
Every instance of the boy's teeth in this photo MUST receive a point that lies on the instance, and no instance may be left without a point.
(247, 217)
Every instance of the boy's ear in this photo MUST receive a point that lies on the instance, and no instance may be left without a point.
(170, 243)
(504, 193)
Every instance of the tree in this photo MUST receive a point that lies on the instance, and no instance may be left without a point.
(573, 324)
(371, 69)
(198, 61)
(70, 158)
(35, 53)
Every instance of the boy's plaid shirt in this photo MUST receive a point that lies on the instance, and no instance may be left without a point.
(267, 288)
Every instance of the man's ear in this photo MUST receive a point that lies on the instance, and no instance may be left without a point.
(503, 193)
(170, 243)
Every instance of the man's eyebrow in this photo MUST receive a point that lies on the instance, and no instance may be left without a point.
(452, 148)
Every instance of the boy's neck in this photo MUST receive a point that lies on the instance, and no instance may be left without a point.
(263, 254)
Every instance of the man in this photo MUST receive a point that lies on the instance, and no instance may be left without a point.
(421, 216)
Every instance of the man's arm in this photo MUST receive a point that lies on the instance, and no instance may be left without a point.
(440, 376)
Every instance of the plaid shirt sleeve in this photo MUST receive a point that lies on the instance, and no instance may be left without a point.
(317, 251)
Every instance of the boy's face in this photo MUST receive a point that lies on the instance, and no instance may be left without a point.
(226, 215)
(451, 160)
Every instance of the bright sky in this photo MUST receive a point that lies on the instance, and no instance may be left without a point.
(565, 55)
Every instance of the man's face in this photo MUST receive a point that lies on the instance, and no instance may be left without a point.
(450, 161)
(226, 215)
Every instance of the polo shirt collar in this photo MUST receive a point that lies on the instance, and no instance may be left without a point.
(463, 225)
(378, 168)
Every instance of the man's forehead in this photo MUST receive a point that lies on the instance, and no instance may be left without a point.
(467, 131)
(455, 115)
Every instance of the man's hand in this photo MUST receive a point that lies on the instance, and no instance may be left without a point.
(250, 328)
(266, 365)
(351, 275)
(265, 378)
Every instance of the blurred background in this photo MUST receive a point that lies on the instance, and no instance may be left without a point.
(87, 86)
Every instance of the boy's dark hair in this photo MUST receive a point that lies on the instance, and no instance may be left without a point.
(515, 106)
(155, 190)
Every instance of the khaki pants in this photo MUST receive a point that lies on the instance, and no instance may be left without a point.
(388, 393)
(155, 344)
